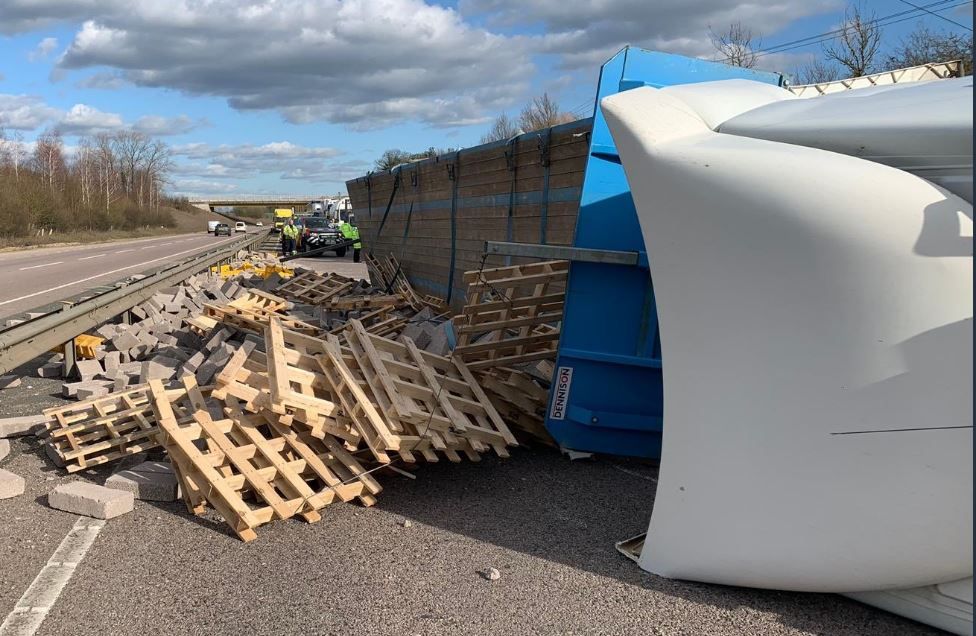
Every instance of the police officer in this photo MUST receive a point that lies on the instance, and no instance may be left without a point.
(350, 232)
(289, 237)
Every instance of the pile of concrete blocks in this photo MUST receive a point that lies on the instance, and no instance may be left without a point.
(154, 344)
(12, 485)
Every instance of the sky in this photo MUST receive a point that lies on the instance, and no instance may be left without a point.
(297, 96)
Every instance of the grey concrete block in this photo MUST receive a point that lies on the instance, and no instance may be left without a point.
(125, 340)
(9, 381)
(91, 500)
(111, 361)
(139, 312)
(217, 337)
(166, 339)
(195, 361)
(88, 369)
(107, 331)
(11, 485)
(17, 426)
(4, 448)
(71, 389)
(53, 455)
(438, 344)
(149, 481)
(158, 368)
(91, 390)
(418, 334)
(214, 363)
(49, 370)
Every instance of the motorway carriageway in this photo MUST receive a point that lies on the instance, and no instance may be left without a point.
(40, 276)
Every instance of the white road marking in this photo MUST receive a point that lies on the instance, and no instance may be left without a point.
(44, 265)
(43, 593)
(148, 247)
(162, 244)
(88, 257)
(114, 271)
(124, 251)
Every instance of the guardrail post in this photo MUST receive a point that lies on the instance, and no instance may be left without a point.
(68, 353)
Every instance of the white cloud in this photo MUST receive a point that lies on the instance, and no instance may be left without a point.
(44, 48)
(247, 160)
(584, 33)
(25, 112)
(82, 119)
(196, 187)
(349, 62)
(158, 126)
(102, 80)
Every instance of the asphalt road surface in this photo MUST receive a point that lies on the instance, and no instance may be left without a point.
(36, 277)
(410, 565)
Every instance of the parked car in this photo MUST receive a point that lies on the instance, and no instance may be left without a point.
(222, 228)
(318, 231)
(240, 226)
(260, 223)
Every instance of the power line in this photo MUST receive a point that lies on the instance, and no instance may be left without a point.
(839, 32)
(937, 15)
(815, 39)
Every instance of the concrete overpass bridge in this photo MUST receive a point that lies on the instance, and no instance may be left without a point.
(258, 200)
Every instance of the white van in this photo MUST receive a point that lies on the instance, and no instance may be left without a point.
(211, 226)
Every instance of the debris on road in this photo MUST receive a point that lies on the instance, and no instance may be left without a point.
(90, 500)
(148, 481)
(11, 485)
(491, 574)
(19, 426)
(273, 403)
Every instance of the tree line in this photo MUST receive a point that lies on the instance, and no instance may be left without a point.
(857, 48)
(539, 113)
(108, 182)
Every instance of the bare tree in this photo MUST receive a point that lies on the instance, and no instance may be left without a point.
(504, 127)
(85, 168)
(816, 72)
(129, 148)
(49, 158)
(17, 153)
(108, 181)
(542, 112)
(392, 158)
(158, 161)
(923, 46)
(736, 45)
(858, 44)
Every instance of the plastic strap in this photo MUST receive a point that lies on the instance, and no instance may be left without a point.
(510, 223)
(386, 213)
(453, 173)
(544, 145)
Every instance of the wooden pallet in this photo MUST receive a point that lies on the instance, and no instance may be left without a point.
(515, 313)
(316, 289)
(250, 467)
(102, 429)
(286, 382)
(253, 312)
(381, 322)
(355, 303)
(520, 400)
(428, 396)
(386, 271)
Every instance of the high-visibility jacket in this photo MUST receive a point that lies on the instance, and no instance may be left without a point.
(350, 232)
(290, 231)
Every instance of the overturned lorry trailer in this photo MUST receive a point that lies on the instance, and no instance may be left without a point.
(609, 394)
